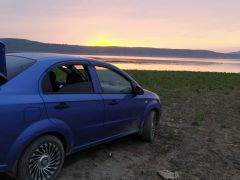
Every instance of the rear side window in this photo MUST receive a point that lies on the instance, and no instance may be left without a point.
(16, 65)
(68, 79)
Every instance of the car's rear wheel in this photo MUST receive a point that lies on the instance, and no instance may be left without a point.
(149, 127)
(43, 159)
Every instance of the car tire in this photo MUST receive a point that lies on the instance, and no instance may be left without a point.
(43, 159)
(149, 127)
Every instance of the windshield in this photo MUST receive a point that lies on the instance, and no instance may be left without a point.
(16, 65)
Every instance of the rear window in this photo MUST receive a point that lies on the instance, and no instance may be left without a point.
(16, 65)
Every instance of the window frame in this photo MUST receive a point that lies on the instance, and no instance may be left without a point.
(66, 63)
(117, 72)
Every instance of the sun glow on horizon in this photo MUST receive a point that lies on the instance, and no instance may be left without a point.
(102, 42)
(106, 41)
(205, 24)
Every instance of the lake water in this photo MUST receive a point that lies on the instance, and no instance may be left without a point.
(171, 64)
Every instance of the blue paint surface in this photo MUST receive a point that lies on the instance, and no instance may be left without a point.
(90, 119)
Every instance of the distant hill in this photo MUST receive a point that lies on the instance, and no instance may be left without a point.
(23, 45)
(236, 53)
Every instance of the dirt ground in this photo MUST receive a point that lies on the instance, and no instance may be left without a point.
(199, 137)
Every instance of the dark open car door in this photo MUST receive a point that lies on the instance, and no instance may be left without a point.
(3, 67)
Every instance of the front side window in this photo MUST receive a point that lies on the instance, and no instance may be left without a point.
(112, 82)
(68, 79)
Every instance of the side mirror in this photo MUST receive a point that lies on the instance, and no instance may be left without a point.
(138, 90)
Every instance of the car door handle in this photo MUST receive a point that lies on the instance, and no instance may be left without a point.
(113, 102)
(61, 105)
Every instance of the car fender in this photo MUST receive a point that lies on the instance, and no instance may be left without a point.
(32, 132)
(154, 104)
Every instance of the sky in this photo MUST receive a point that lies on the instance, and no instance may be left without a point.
(181, 24)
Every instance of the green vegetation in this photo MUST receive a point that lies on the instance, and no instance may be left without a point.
(163, 151)
(200, 124)
(171, 85)
(198, 119)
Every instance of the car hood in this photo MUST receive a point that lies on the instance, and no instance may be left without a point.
(150, 94)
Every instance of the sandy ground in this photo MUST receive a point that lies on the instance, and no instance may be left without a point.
(199, 137)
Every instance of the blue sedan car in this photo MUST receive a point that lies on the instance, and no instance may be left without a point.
(55, 105)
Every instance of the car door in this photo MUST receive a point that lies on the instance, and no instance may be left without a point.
(123, 109)
(70, 97)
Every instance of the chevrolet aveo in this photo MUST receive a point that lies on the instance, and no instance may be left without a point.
(54, 105)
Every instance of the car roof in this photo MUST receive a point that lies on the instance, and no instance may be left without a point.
(52, 56)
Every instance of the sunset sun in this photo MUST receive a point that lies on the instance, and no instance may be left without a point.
(78, 74)
(102, 42)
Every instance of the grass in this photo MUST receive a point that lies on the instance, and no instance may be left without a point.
(198, 119)
(170, 85)
(204, 109)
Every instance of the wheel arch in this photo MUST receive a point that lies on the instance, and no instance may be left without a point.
(152, 106)
(61, 137)
(29, 135)
(158, 114)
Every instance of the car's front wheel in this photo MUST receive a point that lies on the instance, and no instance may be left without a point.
(149, 127)
(43, 159)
